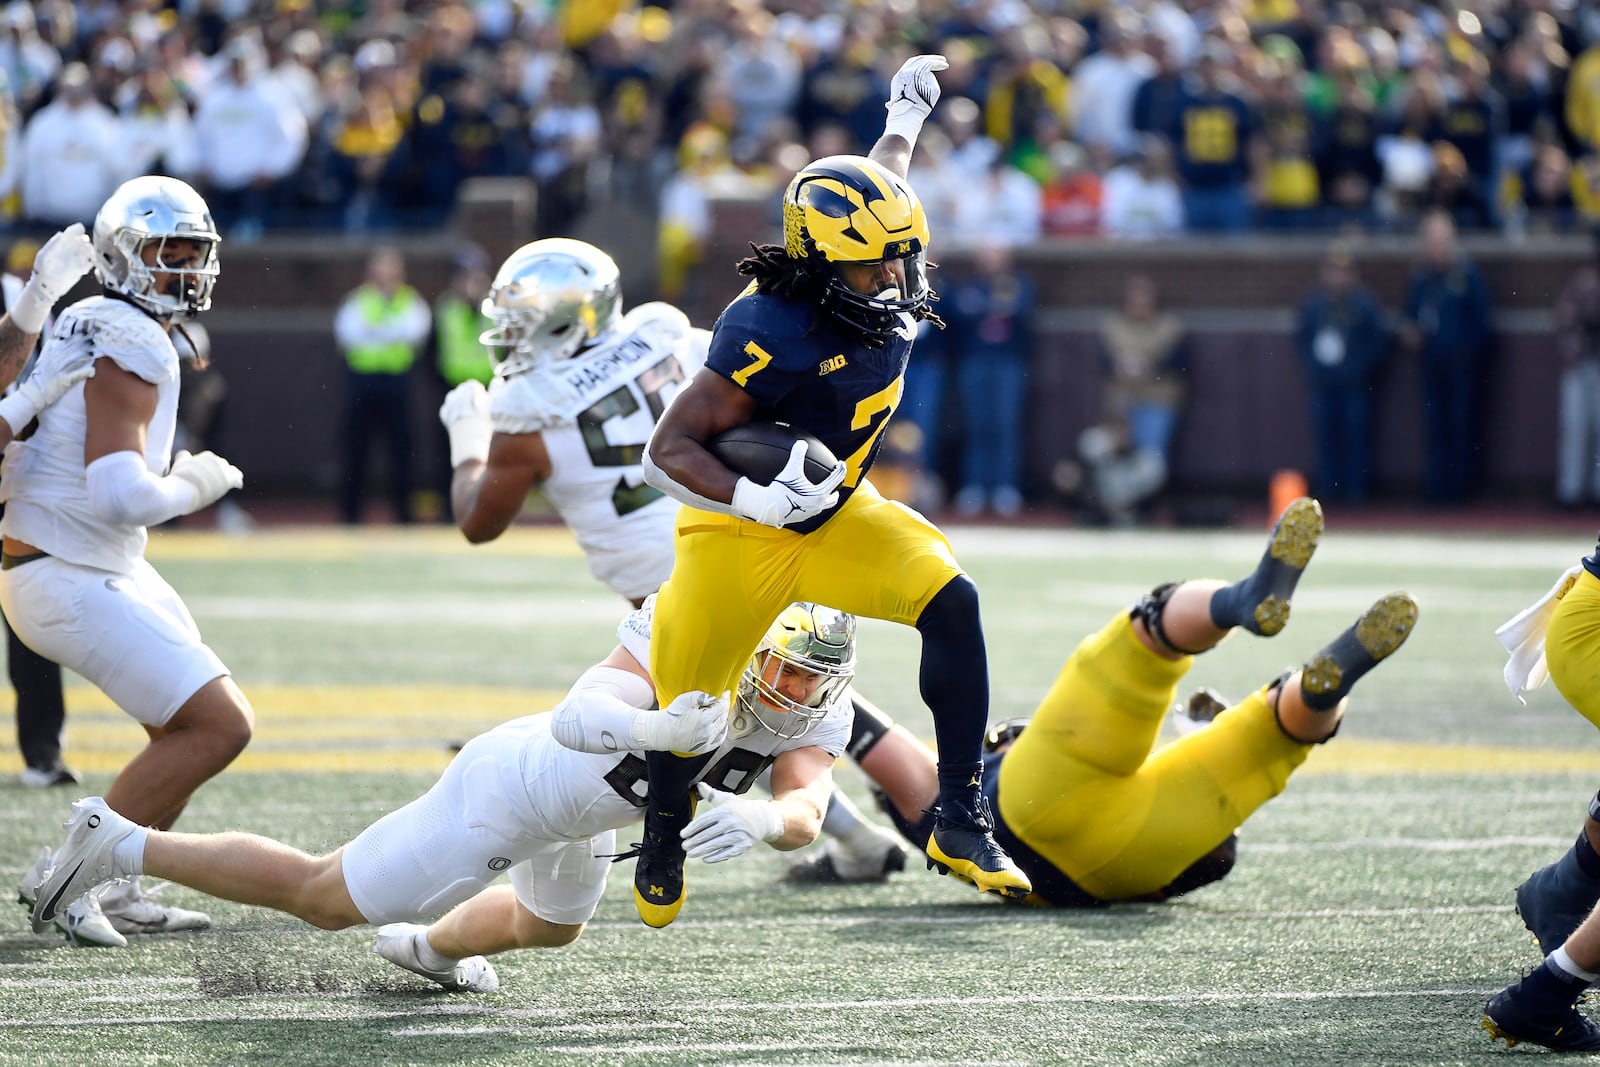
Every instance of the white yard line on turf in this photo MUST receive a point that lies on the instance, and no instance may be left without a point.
(251, 1015)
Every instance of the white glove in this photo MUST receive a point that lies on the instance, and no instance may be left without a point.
(912, 93)
(38, 392)
(729, 825)
(791, 497)
(465, 414)
(210, 474)
(64, 259)
(914, 85)
(692, 724)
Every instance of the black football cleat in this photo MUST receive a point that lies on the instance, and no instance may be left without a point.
(1328, 676)
(1550, 910)
(658, 889)
(963, 844)
(1294, 539)
(1517, 1014)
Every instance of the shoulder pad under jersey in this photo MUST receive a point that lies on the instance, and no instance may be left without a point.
(120, 332)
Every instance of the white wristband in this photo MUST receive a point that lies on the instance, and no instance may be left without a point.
(905, 120)
(18, 411)
(775, 822)
(31, 308)
(469, 439)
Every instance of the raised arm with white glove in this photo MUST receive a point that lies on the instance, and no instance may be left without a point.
(64, 259)
(730, 824)
(792, 497)
(39, 391)
(912, 94)
(465, 414)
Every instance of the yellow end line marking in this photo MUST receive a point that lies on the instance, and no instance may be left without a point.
(319, 543)
(372, 703)
(295, 725)
(1396, 758)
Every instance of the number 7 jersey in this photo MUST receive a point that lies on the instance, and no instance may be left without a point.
(595, 412)
(802, 372)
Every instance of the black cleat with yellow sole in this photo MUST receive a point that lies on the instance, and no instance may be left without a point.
(658, 889)
(1520, 1013)
(1328, 676)
(1260, 602)
(963, 844)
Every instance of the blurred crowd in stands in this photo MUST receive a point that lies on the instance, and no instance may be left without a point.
(1073, 117)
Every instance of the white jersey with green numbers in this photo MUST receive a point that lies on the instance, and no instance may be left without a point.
(595, 412)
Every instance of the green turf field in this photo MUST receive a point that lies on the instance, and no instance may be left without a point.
(1367, 921)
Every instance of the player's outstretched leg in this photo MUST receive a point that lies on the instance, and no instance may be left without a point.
(1329, 675)
(1260, 602)
(1542, 1009)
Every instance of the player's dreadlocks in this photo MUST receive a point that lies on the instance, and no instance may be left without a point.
(776, 273)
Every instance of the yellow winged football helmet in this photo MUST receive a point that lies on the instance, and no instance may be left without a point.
(850, 209)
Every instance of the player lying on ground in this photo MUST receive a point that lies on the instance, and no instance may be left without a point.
(578, 386)
(538, 798)
(1087, 750)
(1558, 638)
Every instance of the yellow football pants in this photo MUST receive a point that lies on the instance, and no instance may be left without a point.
(730, 579)
(1572, 646)
(1081, 787)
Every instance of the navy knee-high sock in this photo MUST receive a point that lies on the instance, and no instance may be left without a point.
(955, 682)
(670, 779)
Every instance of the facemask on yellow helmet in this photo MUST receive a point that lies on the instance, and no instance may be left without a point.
(852, 210)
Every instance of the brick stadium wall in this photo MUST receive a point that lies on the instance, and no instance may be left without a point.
(272, 333)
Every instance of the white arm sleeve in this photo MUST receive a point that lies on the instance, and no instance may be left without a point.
(657, 478)
(600, 711)
(123, 490)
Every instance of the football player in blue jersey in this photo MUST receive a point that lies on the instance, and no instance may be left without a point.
(819, 340)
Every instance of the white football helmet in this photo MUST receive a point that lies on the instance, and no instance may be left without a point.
(549, 301)
(804, 662)
(156, 209)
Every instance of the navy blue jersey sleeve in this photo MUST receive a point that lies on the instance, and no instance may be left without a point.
(754, 346)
